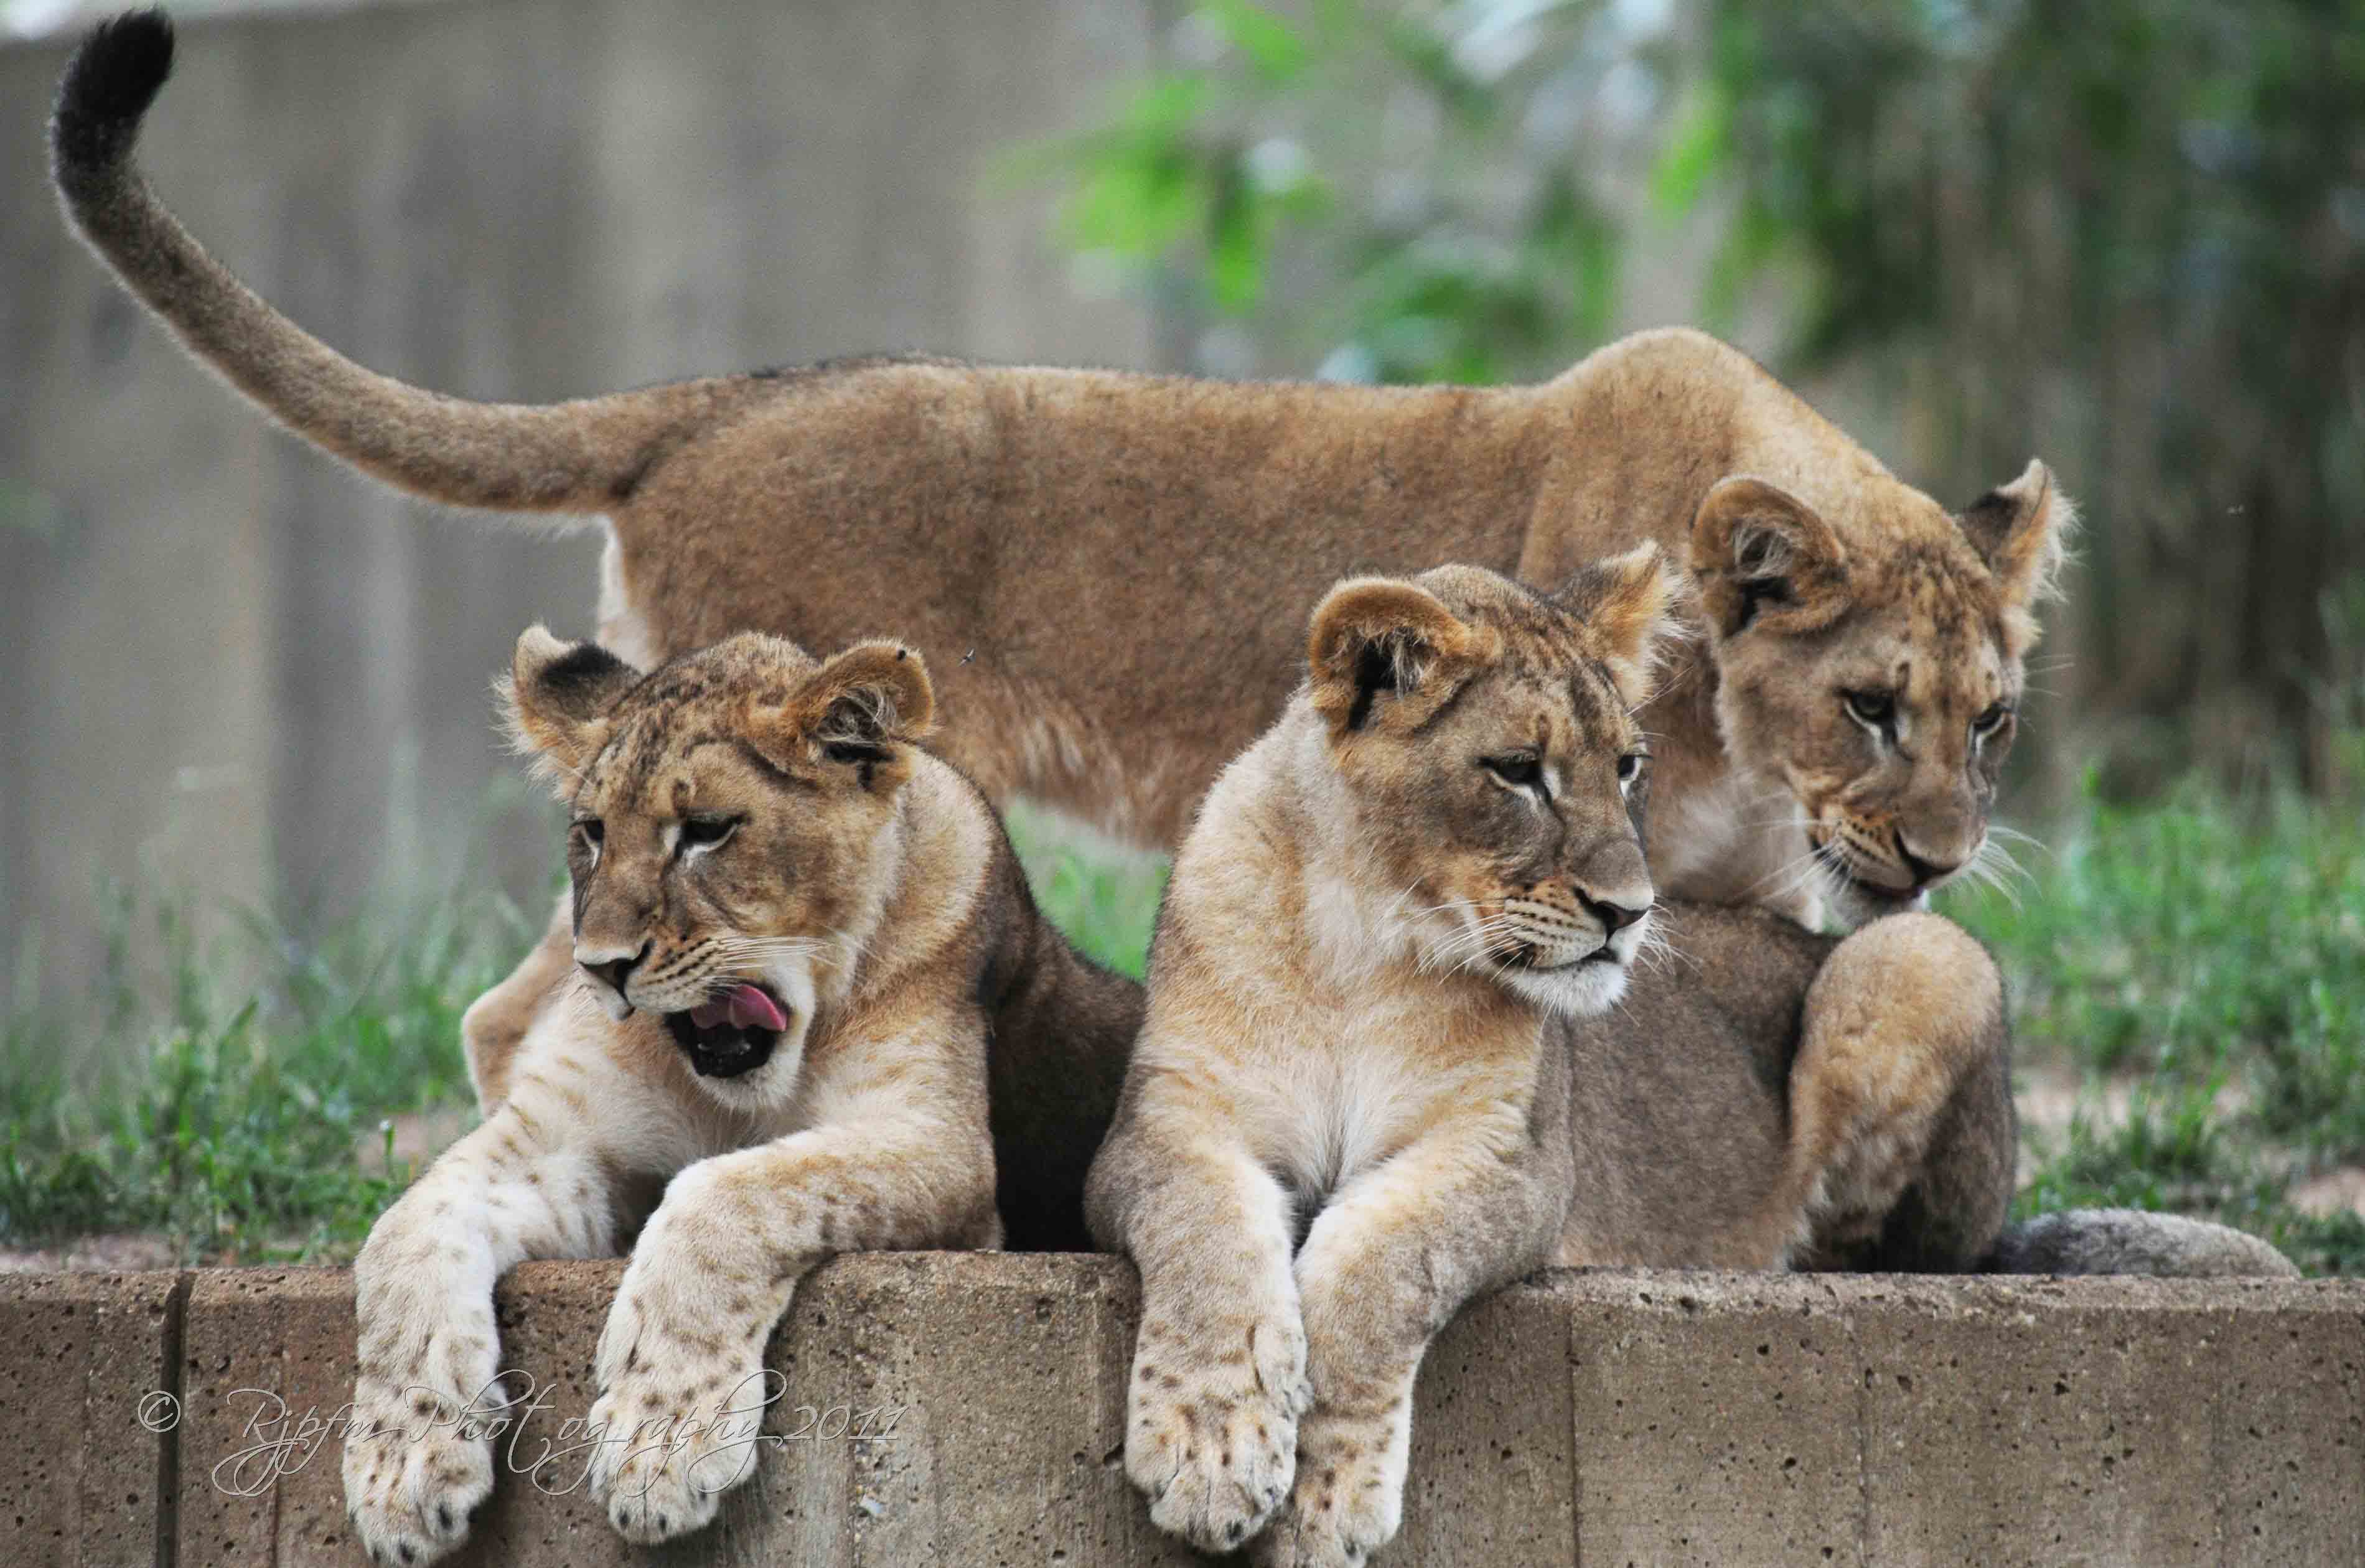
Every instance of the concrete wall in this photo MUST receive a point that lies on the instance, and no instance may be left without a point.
(224, 659)
(1595, 1419)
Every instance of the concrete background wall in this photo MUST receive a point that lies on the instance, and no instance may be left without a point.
(1605, 1419)
(225, 660)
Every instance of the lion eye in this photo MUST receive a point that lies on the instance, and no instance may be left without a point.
(592, 830)
(1877, 709)
(704, 833)
(1630, 766)
(1991, 721)
(1520, 771)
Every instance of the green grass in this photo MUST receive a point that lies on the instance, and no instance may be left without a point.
(232, 1124)
(2208, 946)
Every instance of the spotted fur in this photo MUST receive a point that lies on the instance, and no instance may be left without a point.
(931, 1015)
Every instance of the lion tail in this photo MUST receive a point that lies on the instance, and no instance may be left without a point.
(580, 457)
(2131, 1241)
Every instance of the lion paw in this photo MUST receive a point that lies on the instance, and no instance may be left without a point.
(677, 1426)
(1347, 1503)
(1213, 1440)
(415, 1471)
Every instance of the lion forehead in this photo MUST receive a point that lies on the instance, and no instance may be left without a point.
(1951, 625)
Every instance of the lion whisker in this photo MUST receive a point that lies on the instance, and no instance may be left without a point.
(1793, 873)
(1998, 830)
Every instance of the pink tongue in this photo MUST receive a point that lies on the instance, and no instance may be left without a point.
(747, 1006)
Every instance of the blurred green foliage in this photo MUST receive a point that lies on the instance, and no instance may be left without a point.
(2128, 235)
(2201, 934)
(1106, 899)
(1411, 159)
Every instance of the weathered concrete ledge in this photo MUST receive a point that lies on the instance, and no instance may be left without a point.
(969, 1409)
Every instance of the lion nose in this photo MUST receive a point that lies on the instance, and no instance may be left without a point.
(1614, 917)
(610, 967)
(1923, 872)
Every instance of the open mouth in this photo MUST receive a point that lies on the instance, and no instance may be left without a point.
(732, 1035)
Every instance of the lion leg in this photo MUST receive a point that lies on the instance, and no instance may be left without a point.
(1902, 1138)
(1384, 1268)
(1953, 1209)
(1219, 1362)
(540, 1179)
(680, 1363)
(496, 1022)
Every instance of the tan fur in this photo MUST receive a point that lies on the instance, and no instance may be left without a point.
(1352, 1108)
(1126, 556)
(1766, 1097)
(2132, 1241)
(1382, 901)
(865, 884)
(496, 1023)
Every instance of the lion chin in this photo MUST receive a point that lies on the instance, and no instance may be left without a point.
(1854, 904)
(1584, 990)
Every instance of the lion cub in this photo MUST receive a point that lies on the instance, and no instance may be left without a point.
(1433, 852)
(806, 956)
(1354, 1104)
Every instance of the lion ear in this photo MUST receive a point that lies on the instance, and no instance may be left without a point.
(555, 701)
(1629, 602)
(2021, 530)
(1381, 646)
(1761, 554)
(864, 708)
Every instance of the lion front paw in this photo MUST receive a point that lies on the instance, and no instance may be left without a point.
(1213, 1437)
(1347, 1503)
(415, 1469)
(673, 1432)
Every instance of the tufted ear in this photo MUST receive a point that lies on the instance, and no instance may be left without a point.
(1760, 553)
(1629, 601)
(555, 701)
(1381, 638)
(860, 709)
(2021, 530)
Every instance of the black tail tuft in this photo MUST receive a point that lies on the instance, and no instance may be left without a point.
(109, 85)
